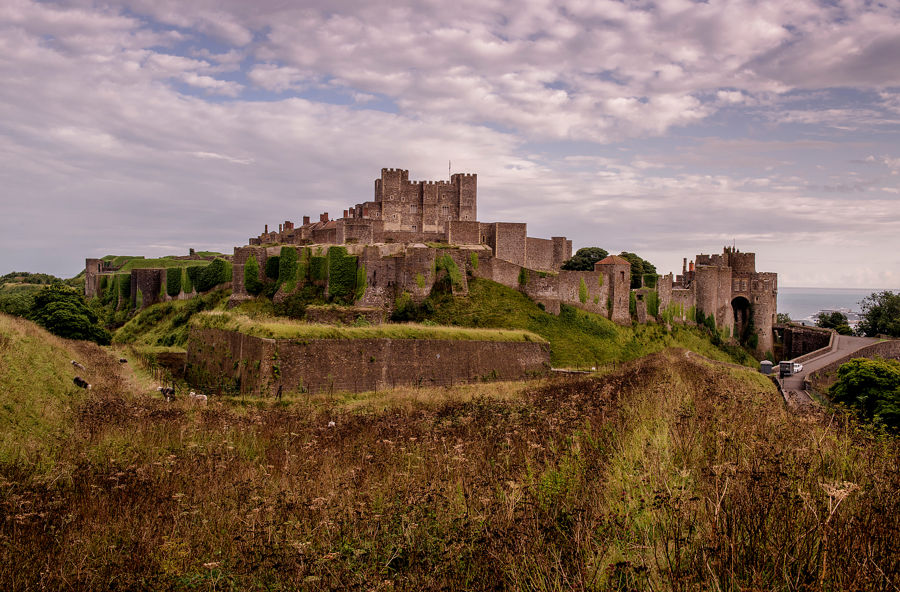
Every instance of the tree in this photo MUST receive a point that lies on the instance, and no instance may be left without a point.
(872, 387)
(62, 311)
(584, 259)
(834, 320)
(880, 314)
(639, 268)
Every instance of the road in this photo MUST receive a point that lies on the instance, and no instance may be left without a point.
(792, 386)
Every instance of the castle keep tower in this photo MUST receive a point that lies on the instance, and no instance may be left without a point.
(419, 206)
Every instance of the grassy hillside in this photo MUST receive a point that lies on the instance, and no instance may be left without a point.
(166, 323)
(670, 473)
(37, 395)
(577, 338)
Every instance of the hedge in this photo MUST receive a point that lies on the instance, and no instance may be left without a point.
(173, 281)
(287, 268)
(272, 265)
(217, 272)
(318, 268)
(341, 275)
(252, 283)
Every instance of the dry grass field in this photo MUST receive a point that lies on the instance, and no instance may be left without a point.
(670, 472)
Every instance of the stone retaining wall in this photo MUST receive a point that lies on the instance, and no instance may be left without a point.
(227, 360)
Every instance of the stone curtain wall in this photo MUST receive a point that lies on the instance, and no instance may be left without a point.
(799, 341)
(227, 360)
(539, 254)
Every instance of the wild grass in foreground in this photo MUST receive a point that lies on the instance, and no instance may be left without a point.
(670, 473)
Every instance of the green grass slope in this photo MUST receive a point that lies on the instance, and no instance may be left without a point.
(578, 339)
(37, 395)
(166, 323)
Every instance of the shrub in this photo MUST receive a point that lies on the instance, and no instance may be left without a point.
(632, 305)
(653, 304)
(318, 268)
(272, 266)
(252, 283)
(194, 272)
(287, 268)
(216, 273)
(173, 281)
(62, 311)
(446, 263)
(341, 275)
(361, 283)
(473, 259)
(582, 291)
(523, 277)
(872, 387)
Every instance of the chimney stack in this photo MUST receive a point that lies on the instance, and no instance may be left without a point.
(306, 220)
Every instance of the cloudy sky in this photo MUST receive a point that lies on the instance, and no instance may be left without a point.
(667, 128)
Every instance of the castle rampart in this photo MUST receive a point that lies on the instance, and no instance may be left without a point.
(317, 365)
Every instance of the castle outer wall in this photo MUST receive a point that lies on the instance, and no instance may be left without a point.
(318, 365)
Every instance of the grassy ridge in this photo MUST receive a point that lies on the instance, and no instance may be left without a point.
(287, 329)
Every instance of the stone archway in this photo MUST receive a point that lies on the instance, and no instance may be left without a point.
(740, 306)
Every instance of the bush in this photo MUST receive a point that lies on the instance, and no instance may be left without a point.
(272, 266)
(62, 311)
(194, 272)
(446, 263)
(523, 277)
(216, 273)
(342, 273)
(318, 268)
(252, 283)
(17, 303)
(582, 291)
(653, 304)
(872, 387)
(173, 281)
(287, 269)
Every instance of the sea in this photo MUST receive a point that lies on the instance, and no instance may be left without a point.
(804, 303)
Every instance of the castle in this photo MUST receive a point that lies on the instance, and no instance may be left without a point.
(416, 233)
(407, 236)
